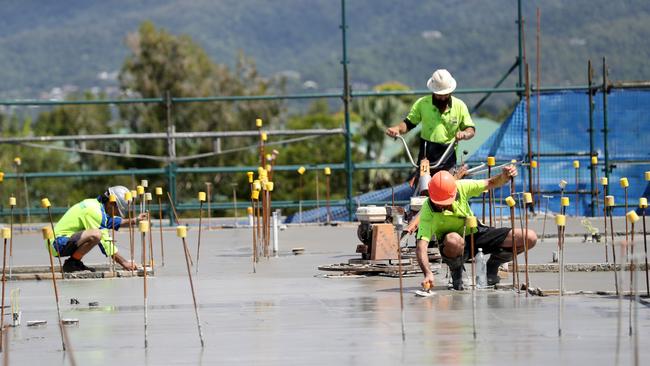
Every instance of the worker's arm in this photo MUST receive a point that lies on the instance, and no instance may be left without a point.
(398, 129)
(497, 181)
(465, 134)
(135, 220)
(127, 265)
(423, 261)
(413, 224)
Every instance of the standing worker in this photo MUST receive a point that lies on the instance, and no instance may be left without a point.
(443, 118)
(443, 219)
(87, 224)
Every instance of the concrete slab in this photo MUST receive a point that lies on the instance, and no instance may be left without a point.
(289, 313)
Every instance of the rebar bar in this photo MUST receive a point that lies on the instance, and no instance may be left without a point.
(189, 275)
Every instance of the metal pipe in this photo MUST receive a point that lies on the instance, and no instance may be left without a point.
(605, 129)
(538, 73)
(346, 112)
(529, 140)
(592, 139)
(144, 278)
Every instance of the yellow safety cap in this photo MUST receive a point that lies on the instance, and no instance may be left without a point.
(560, 220)
(564, 201)
(46, 231)
(257, 185)
(143, 226)
(269, 186)
(144, 183)
(528, 197)
(470, 221)
(301, 170)
(250, 176)
(269, 167)
(604, 181)
(510, 201)
(269, 157)
(147, 196)
(6, 232)
(533, 164)
(624, 182)
(563, 183)
(45, 203)
(594, 160)
(128, 196)
(632, 216)
(139, 190)
(576, 164)
(112, 198)
(249, 210)
(255, 195)
(264, 137)
(609, 201)
(17, 161)
(134, 193)
(2, 176)
(12, 201)
(327, 170)
(647, 175)
(491, 161)
(159, 191)
(181, 231)
(201, 196)
(643, 202)
(258, 122)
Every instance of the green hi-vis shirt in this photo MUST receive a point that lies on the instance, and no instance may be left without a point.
(440, 127)
(438, 224)
(85, 215)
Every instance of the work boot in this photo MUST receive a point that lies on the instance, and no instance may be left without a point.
(75, 265)
(456, 268)
(493, 264)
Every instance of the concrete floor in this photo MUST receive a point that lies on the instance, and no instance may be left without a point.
(289, 313)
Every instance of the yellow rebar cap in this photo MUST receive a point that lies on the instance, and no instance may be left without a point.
(564, 201)
(301, 170)
(2, 176)
(563, 183)
(576, 164)
(249, 210)
(255, 195)
(257, 185)
(528, 197)
(17, 160)
(594, 160)
(250, 176)
(643, 202)
(134, 193)
(328, 171)
(139, 190)
(144, 183)
(112, 198)
(12, 201)
(647, 175)
(46, 231)
(269, 186)
(510, 201)
(264, 136)
(128, 196)
(258, 122)
(604, 181)
(45, 203)
(201, 196)
(159, 191)
(470, 221)
(624, 182)
(181, 231)
(560, 220)
(491, 161)
(147, 196)
(144, 226)
(609, 201)
(533, 164)
(632, 216)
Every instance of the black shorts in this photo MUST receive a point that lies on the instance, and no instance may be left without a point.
(65, 246)
(487, 238)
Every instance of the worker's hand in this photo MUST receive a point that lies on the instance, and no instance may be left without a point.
(141, 217)
(461, 135)
(392, 131)
(428, 281)
(411, 228)
(509, 171)
(129, 266)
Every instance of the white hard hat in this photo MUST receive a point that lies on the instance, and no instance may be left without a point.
(119, 191)
(441, 82)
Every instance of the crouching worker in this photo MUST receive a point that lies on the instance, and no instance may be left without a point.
(443, 219)
(88, 224)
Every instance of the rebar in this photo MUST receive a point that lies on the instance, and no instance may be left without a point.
(49, 213)
(645, 249)
(611, 227)
(4, 280)
(189, 275)
(56, 297)
(198, 245)
(144, 280)
(162, 245)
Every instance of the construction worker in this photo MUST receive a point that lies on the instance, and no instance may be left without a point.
(87, 224)
(443, 219)
(443, 117)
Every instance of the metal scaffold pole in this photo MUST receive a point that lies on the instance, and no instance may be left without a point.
(171, 151)
(346, 109)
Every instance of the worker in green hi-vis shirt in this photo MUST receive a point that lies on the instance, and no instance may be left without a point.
(443, 118)
(87, 224)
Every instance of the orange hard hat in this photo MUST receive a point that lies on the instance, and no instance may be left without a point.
(442, 188)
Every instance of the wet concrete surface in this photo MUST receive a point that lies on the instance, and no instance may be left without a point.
(289, 313)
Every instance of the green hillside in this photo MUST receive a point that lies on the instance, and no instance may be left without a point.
(45, 44)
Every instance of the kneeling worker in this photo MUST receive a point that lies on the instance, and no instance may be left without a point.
(86, 225)
(443, 219)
